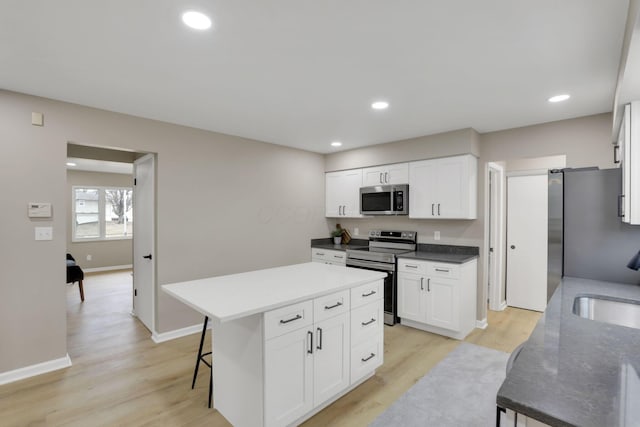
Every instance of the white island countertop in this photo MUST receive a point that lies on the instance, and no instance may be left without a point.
(234, 296)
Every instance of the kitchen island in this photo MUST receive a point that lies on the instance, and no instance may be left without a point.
(290, 340)
(574, 371)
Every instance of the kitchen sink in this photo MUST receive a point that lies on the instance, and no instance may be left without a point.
(617, 311)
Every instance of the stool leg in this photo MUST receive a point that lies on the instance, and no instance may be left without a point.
(195, 372)
(210, 386)
(81, 290)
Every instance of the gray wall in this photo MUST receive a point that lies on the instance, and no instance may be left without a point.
(224, 204)
(104, 253)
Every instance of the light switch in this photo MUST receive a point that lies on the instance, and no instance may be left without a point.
(37, 119)
(44, 233)
(436, 235)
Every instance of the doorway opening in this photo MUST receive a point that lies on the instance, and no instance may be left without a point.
(109, 216)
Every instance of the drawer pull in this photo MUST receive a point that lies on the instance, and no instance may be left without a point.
(291, 320)
(338, 256)
(329, 307)
(369, 322)
(410, 266)
(442, 270)
(369, 294)
(320, 253)
(366, 359)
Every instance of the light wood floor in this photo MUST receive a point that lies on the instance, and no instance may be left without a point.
(120, 377)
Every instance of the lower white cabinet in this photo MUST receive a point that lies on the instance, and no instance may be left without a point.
(316, 350)
(438, 297)
(329, 256)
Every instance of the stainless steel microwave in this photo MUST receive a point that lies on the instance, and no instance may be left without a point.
(384, 200)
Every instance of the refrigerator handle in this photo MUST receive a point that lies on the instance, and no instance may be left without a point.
(620, 206)
(616, 150)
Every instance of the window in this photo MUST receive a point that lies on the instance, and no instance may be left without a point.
(102, 213)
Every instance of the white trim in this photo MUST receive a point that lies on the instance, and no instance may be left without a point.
(177, 333)
(503, 306)
(113, 267)
(482, 324)
(528, 172)
(33, 370)
(499, 252)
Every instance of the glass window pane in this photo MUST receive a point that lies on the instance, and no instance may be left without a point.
(118, 213)
(87, 213)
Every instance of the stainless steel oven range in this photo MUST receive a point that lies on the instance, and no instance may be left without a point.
(381, 254)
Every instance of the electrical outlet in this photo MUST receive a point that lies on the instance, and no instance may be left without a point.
(356, 231)
(89, 257)
(436, 235)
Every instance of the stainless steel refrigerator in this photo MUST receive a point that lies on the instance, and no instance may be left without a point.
(586, 238)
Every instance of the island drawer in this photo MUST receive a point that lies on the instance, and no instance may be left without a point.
(287, 319)
(366, 322)
(366, 357)
(331, 305)
(367, 293)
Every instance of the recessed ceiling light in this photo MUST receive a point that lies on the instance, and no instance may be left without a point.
(71, 164)
(559, 98)
(336, 144)
(196, 20)
(380, 105)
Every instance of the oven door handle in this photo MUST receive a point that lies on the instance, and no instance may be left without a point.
(370, 265)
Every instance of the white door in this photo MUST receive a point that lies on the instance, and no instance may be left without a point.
(144, 240)
(443, 303)
(331, 357)
(527, 241)
(411, 298)
(422, 177)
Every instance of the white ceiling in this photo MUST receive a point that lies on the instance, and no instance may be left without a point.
(303, 73)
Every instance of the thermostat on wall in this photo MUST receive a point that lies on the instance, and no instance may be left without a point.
(39, 210)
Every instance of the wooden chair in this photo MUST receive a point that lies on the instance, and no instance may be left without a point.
(75, 274)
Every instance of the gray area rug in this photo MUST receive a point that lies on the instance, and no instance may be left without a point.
(459, 391)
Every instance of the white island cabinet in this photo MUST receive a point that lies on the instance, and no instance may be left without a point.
(284, 340)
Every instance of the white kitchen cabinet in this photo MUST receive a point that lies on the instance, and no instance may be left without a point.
(397, 173)
(331, 357)
(629, 157)
(444, 188)
(342, 193)
(328, 256)
(437, 297)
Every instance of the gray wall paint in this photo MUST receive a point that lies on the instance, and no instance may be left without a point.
(105, 253)
(224, 204)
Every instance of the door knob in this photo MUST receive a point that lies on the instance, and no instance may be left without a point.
(147, 256)
(513, 246)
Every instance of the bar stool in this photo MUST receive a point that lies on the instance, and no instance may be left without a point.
(201, 358)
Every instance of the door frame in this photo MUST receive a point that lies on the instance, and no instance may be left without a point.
(495, 226)
(152, 219)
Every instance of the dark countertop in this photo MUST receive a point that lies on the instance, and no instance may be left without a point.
(443, 253)
(327, 243)
(574, 371)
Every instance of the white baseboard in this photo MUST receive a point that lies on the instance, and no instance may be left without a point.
(503, 305)
(177, 333)
(482, 324)
(113, 267)
(33, 370)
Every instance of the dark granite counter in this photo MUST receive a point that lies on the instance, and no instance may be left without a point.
(443, 253)
(574, 371)
(327, 243)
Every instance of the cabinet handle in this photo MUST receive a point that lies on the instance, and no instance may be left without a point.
(381, 182)
(442, 270)
(429, 285)
(410, 266)
(620, 206)
(366, 359)
(432, 206)
(291, 320)
(338, 256)
(319, 346)
(386, 177)
(320, 253)
(438, 209)
(369, 294)
(310, 340)
(329, 307)
(369, 322)
(422, 283)
(616, 149)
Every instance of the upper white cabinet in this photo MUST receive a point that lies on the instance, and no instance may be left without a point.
(397, 173)
(342, 193)
(444, 188)
(629, 157)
